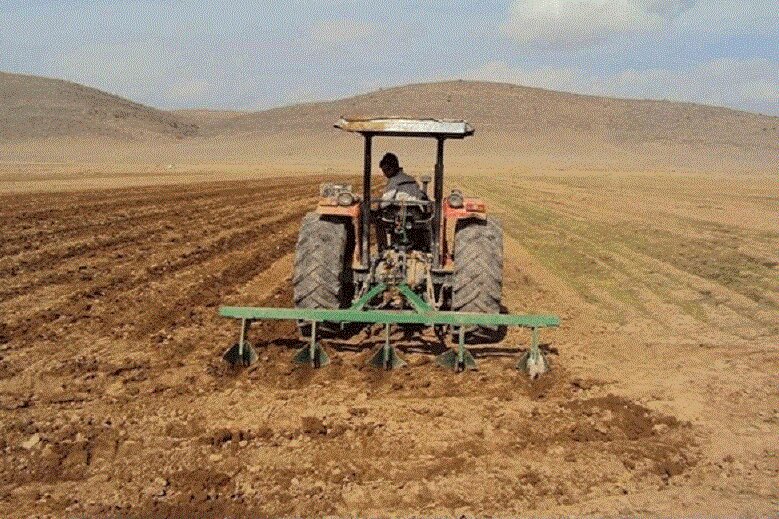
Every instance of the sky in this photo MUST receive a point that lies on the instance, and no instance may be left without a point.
(255, 55)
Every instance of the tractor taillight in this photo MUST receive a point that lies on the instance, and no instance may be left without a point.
(345, 198)
(456, 200)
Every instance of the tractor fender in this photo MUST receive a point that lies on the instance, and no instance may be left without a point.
(472, 208)
(349, 211)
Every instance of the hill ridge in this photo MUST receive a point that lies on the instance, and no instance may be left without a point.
(39, 107)
(511, 121)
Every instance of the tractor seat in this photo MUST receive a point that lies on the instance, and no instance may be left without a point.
(418, 212)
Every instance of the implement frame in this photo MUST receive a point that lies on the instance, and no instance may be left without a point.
(421, 314)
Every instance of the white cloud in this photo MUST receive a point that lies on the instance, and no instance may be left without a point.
(570, 23)
(553, 78)
(132, 69)
(338, 32)
(729, 18)
(750, 84)
(576, 23)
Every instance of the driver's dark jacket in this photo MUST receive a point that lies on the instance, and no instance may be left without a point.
(402, 187)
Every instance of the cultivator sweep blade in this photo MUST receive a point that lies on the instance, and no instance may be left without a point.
(312, 354)
(533, 362)
(241, 353)
(458, 360)
(387, 357)
(238, 356)
(315, 356)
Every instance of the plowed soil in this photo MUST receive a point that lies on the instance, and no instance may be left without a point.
(662, 398)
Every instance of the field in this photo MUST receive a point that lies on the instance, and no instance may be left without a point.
(662, 398)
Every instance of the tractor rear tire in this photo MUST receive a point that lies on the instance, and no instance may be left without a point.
(478, 275)
(323, 269)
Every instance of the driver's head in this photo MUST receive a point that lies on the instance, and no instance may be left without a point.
(389, 165)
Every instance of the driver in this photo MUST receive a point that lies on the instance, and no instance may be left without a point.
(400, 186)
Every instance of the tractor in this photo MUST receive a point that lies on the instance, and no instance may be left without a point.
(336, 264)
(437, 261)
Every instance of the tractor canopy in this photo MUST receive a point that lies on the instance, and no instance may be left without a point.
(402, 127)
(438, 129)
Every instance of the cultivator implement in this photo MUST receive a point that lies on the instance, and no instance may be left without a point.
(387, 356)
(408, 259)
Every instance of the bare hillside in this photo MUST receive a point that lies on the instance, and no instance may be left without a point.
(512, 110)
(33, 108)
(516, 127)
(514, 122)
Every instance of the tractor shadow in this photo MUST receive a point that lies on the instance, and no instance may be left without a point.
(415, 341)
(409, 340)
(480, 351)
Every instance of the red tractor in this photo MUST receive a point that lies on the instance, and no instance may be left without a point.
(444, 248)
